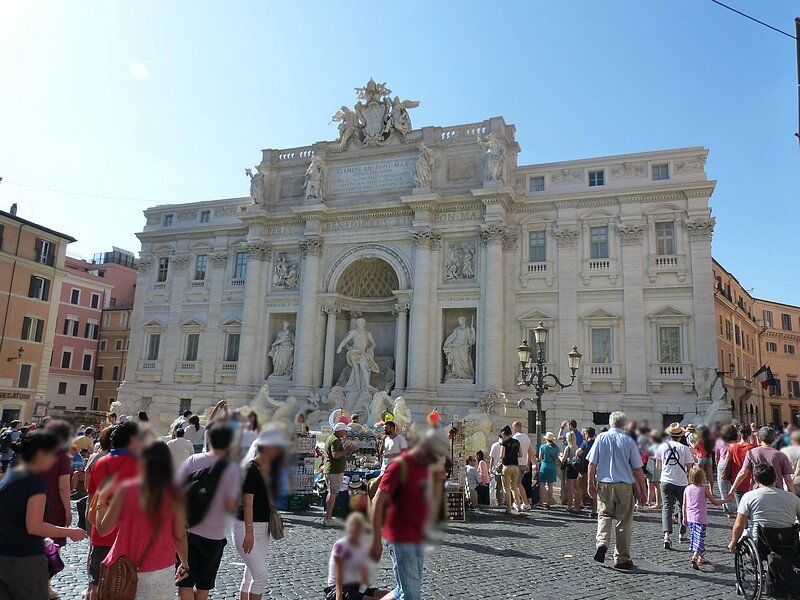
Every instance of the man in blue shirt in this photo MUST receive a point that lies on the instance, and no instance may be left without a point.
(615, 469)
(570, 426)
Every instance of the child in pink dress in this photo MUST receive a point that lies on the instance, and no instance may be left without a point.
(695, 514)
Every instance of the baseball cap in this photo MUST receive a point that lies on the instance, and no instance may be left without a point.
(341, 427)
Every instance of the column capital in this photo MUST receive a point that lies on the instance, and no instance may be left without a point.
(144, 264)
(631, 233)
(401, 307)
(497, 234)
(219, 258)
(567, 237)
(425, 239)
(311, 246)
(181, 261)
(257, 250)
(700, 229)
(329, 307)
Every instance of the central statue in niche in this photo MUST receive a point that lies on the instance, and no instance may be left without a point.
(361, 358)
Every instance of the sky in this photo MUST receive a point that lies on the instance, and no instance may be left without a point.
(108, 107)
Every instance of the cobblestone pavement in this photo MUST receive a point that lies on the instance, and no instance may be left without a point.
(492, 556)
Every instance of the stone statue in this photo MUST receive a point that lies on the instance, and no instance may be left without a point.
(360, 357)
(256, 185)
(285, 274)
(399, 120)
(348, 126)
(402, 414)
(423, 169)
(313, 182)
(458, 350)
(460, 261)
(381, 402)
(282, 352)
(495, 157)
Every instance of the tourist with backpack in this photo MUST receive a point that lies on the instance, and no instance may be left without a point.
(8, 437)
(211, 484)
(674, 459)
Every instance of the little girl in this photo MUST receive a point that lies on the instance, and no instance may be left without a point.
(695, 514)
(348, 567)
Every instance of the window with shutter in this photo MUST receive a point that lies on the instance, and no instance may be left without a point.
(39, 329)
(26, 328)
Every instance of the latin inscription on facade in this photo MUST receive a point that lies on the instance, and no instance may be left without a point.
(348, 179)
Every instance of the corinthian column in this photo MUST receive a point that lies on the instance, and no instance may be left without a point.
(311, 249)
(401, 345)
(259, 254)
(493, 237)
(331, 310)
(420, 311)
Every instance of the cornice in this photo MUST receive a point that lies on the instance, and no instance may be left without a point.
(655, 292)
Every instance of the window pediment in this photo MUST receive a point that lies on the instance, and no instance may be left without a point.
(192, 324)
(154, 324)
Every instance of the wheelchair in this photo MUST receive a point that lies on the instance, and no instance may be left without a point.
(751, 557)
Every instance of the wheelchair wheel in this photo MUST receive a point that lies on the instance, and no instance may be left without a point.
(749, 570)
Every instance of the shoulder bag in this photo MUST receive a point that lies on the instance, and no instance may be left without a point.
(119, 580)
(275, 525)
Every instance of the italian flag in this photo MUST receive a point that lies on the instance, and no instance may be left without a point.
(764, 377)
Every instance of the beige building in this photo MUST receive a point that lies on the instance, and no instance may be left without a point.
(738, 330)
(780, 345)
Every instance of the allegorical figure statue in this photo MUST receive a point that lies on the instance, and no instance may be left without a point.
(495, 157)
(282, 352)
(360, 357)
(458, 350)
(348, 125)
(423, 168)
(313, 182)
(400, 120)
(256, 185)
(285, 273)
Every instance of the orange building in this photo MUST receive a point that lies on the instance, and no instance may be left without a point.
(780, 351)
(115, 333)
(31, 275)
(738, 330)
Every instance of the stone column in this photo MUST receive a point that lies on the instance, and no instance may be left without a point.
(259, 254)
(212, 351)
(566, 403)
(633, 356)
(311, 249)
(331, 311)
(401, 345)
(493, 237)
(177, 292)
(420, 311)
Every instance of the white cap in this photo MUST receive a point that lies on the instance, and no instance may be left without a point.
(272, 437)
(341, 427)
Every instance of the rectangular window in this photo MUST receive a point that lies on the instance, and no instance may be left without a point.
(597, 178)
(167, 220)
(92, 331)
(775, 388)
(87, 362)
(537, 183)
(123, 319)
(669, 344)
(71, 327)
(75, 296)
(788, 348)
(768, 320)
(83, 389)
(240, 265)
(601, 418)
(44, 252)
(99, 373)
(665, 238)
(117, 345)
(106, 320)
(200, 267)
(32, 329)
(62, 387)
(115, 373)
(95, 403)
(103, 345)
(95, 301)
(163, 269)
(601, 345)
(25, 376)
(738, 335)
(205, 216)
(599, 242)
(793, 384)
(192, 343)
(728, 330)
(772, 347)
(66, 359)
(232, 347)
(153, 343)
(39, 288)
(786, 322)
(660, 172)
(537, 246)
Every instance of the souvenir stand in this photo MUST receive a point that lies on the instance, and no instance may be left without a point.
(454, 492)
(303, 472)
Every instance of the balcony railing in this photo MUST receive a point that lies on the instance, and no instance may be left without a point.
(188, 366)
(601, 370)
(228, 367)
(672, 370)
(537, 267)
(237, 282)
(149, 365)
(160, 285)
(199, 283)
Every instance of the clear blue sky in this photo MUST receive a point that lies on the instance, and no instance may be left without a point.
(152, 102)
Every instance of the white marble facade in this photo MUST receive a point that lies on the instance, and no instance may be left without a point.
(411, 230)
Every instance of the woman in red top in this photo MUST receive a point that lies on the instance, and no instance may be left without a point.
(150, 517)
(703, 450)
(736, 454)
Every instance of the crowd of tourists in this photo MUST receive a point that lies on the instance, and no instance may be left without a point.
(158, 510)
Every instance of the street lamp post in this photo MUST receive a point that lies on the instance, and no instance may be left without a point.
(532, 373)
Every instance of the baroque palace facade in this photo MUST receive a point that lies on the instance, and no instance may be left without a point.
(414, 261)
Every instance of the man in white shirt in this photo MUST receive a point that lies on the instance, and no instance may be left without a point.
(793, 453)
(674, 459)
(496, 495)
(180, 448)
(527, 457)
(393, 444)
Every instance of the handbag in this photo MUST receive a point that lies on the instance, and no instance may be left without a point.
(275, 525)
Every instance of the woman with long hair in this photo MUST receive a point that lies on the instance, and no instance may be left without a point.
(195, 433)
(251, 525)
(704, 450)
(548, 453)
(24, 572)
(249, 432)
(570, 458)
(150, 516)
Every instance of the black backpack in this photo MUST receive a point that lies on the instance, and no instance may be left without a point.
(5, 441)
(200, 487)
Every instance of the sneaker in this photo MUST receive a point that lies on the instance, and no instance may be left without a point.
(524, 507)
(330, 523)
(600, 555)
(667, 545)
(625, 566)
